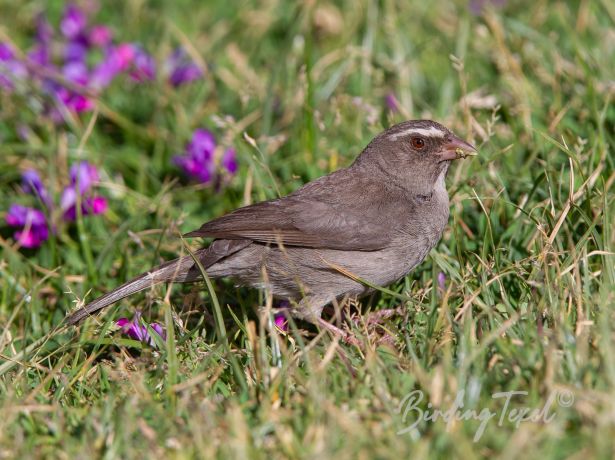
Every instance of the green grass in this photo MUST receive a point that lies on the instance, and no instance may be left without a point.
(528, 255)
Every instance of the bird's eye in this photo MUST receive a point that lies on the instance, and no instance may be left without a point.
(418, 143)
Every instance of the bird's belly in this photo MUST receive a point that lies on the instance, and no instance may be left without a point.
(339, 272)
(292, 272)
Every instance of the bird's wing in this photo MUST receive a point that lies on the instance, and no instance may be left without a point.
(338, 211)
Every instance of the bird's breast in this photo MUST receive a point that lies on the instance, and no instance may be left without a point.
(422, 230)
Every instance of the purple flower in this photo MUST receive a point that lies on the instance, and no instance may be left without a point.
(138, 331)
(44, 31)
(196, 169)
(83, 176)
(71, 100)
(76, 72)
(15, 69)
(76, 63)
(117, 60)
(32, 183)
(73, 22)
(32, 224)
(185, 74)
(32, 237)
(32, 227)
(143, 66)
(68, 201)
(442, 281)
(19, 216)
(229, 160)
(39, 54)
(391, 102)
(89, 206)
(202, 145)
(198, 162)
(182, 69)
(103, 74)
(79, 103)
(6, 53)
(11, 69)
(75, 50)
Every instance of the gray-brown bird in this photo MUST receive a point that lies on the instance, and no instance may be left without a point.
(375, 220)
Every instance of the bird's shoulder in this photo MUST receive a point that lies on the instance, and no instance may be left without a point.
(349, 189)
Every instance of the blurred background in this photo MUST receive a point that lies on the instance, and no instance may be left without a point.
(124, 124)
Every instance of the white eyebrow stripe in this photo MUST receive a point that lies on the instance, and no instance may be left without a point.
(432, 131)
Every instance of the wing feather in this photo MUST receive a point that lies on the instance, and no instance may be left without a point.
(331, 212)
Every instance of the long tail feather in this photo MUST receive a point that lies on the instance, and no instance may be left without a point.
(182, 270)
(178, 270)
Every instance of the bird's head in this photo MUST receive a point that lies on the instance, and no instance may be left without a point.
(415, 153)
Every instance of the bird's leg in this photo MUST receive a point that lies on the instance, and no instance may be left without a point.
(310, 309)
(274, 310)
(379, 315)
(346, 336)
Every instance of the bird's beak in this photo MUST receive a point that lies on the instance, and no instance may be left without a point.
(456, 148)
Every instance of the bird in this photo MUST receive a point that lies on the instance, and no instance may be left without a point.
(370, 223)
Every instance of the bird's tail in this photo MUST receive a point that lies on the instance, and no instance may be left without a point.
(182, 270)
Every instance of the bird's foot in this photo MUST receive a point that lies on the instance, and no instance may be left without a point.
(346, 336)
(375, 317)
(373, 325)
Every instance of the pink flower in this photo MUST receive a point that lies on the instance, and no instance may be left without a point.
(72, 101)
(124, 54)
(100, 36)
(89, 206)
(280, 322)
(118, 59)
